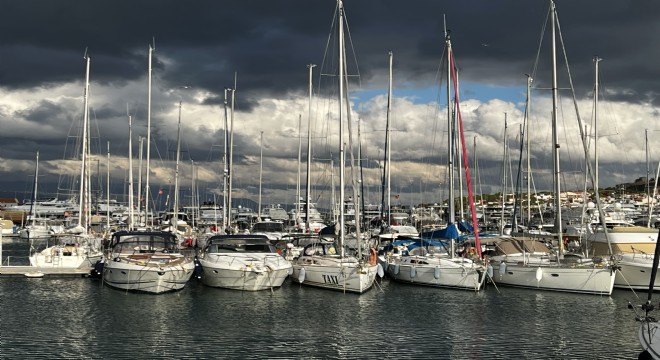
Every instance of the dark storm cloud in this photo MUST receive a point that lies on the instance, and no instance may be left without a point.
(269, 42)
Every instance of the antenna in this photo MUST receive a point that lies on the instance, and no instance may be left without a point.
(153, 43)
(444, 23)
(85, 56)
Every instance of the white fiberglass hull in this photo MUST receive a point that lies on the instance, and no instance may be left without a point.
(649, 338)
(249, 272)
(635, 272)
(598, 280)
(65, 257)
(335, 274)
(456, 273)
(147, 276)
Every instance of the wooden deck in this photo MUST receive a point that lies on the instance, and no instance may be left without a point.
(29, 271)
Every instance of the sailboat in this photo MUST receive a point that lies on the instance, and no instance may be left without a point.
(77, 248)
(527, 263)
(38, 228)
(328, 264)
(429, 262)
(632, 246)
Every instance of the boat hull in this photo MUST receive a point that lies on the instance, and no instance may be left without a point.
(598, 280)
(149, 279)
(351, 277)
(649, 338)
(64, 258)
(439, 273)
(247, 279)
(249, 271)
(635, 272)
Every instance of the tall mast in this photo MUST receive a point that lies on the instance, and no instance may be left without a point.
(261, 169)
(33, 206)
(596, 61)
(297, 201)
(308, 194)
(139, 188)
(555, 135)
(388, 139)
(450, 136)
(342, 160)
(82, 210)
(130, 173)
(504, 158)
(231, 147)
(226, 213)
(174, 222)
(146, 186)
(107, 195)
(529, 167)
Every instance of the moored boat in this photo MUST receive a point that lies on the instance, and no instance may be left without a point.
(148, 262)
(242, 262)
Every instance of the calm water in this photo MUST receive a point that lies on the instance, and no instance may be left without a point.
(81, 318)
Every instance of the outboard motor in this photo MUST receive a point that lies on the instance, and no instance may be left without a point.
(197, 273)
(97, 270)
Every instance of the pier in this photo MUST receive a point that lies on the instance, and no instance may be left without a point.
(31, 271)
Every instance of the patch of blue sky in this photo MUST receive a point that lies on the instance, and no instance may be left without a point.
(468, 91)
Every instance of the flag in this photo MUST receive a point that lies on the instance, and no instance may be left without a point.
(160, 192)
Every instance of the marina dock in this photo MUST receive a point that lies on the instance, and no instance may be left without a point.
(30, 271)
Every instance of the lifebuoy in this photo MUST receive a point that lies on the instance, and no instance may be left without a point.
(472, 251)
(373, 257)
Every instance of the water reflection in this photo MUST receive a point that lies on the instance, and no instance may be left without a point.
(74, 318)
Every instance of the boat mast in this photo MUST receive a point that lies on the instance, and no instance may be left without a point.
(225, 213)
(596, 61)
(298, 202)
(231, 146)
(146, 186)
(33, 209)
(342, 160)
(82, 209)
(388, 140)
(139, 187)
(130, 173)
(450, 136)
(555, 135)
(107, 195)
(309, 150)
(174, 221)
(529, 167)
(261, 170)
(504, 156)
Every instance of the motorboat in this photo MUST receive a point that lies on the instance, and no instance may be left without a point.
(242, 262)
(147, 261)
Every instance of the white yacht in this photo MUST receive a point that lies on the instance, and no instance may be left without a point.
(148, 262)
(242, 262)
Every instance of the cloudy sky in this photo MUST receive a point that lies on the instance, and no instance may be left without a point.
(267, 45)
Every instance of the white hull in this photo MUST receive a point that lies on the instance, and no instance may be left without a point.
(249, 272)
(333, 274)
(635, 272)
(35, 233)
(456, 273)
(65, 257)
(597, 280)
(148, 276)
(649, 338)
